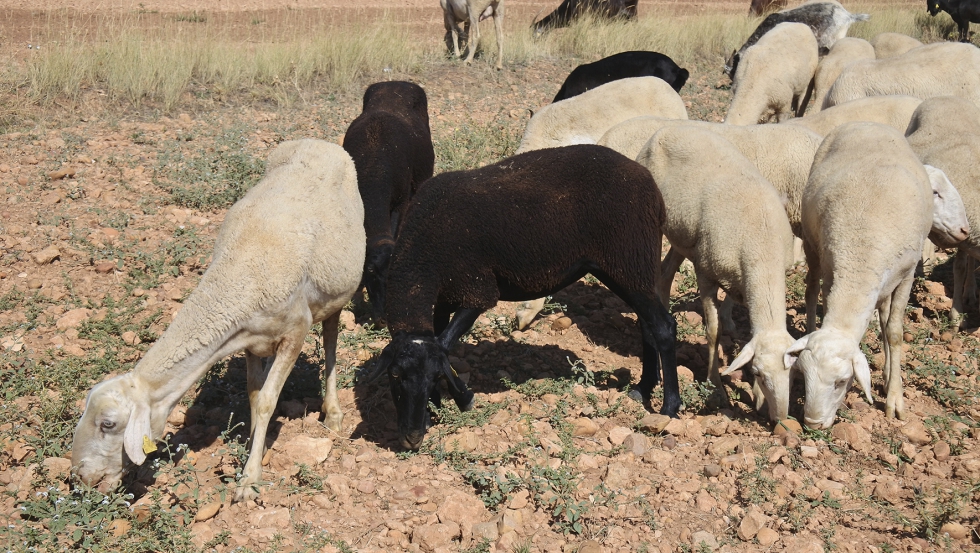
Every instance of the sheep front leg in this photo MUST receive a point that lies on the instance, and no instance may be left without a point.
(960, 275)
(264, 385)
(498, 27)
(474, 39)
(709, 301)
(453, 30)
(893, 330)
(333, 416)
(812, 294)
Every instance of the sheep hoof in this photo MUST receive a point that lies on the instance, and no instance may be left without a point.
(246, 492)
(334, 421)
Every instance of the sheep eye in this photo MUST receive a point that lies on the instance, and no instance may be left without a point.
(108, 425)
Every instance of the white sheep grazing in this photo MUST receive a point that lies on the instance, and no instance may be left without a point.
(844, 52)
(894, 111)
(471, 13)
(866, 213)
(945, 132)
(730, 222)
(940, 69)
(583, 119)
(289, 254)
(775, 76)
(887, 45)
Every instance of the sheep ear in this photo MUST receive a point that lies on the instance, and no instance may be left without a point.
(368, 376)
(937, 178)
(744, 357)
(862, 373)
(138, 439)
(793, 353)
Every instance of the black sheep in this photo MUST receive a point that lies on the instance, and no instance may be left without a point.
(517, 230)
(622, 66)
(963, 13)
(573, 9)
(391, 146)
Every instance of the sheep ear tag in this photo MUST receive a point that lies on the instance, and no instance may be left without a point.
(148, 445)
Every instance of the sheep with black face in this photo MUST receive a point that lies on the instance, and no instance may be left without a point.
(521, 229)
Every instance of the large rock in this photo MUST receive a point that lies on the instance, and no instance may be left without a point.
(752, 522)
(584, 426)
(435, 535)
(653, 423)
(73, 318)
(47, 255)
(463, 509)
(306, 450)
(637, 443)
(618, 434)
(916, 433)
(723, 446)
(854, 435)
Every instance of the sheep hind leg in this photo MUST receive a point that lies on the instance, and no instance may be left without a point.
(333, 416)
(264, 386)
(498, 28)
(659, 335)
(893, 329)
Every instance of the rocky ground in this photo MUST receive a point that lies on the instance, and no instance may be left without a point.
(109, 216)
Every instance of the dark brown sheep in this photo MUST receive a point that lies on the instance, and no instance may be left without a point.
(391, 146)
(521, 229)
(569, 10)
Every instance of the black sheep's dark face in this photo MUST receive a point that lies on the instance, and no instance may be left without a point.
(415, 364)
(934, 8)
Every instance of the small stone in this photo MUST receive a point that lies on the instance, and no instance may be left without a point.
(916, 432)
(941, 451)
(706, 538)
(908, 450)
(670, 442)
(809, 452)
(715, 425)
(787, 426)
(589, 546)
(520, 500)
(61, 173)
(653, 423)
(637, 443)
(51, 198)
(675, 427)
(105, 267)
(723, 446)
(131, 338)
(119, 527)
(955, 530)
(207, 511)
(73, 318)
(584, 426)
(853, 435)
(711, 470)
(618, 435)
(466, 442)
(35, 284)
(365, 487)
(485, 530)
(767, 537)
(47, 255)
(561, 323)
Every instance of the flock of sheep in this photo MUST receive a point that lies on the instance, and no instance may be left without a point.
(600, 177)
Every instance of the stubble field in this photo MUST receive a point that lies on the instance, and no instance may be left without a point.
(129, 128)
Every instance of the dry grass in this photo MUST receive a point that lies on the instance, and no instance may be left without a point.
(127, 61)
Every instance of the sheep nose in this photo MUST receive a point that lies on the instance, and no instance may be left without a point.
(413, 440)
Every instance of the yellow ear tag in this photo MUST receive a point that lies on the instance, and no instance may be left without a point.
(454, 371)
(148, 445)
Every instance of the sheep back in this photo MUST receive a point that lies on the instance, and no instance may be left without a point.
(941, 69)
(894, 111)
(867, 208)
(584, 118)
(945, 133)
(887, 45)
(303, 220)
(705, 181)
(844, 52)
(513, 229)
(391, 145)
(774, 75)
(621, 66)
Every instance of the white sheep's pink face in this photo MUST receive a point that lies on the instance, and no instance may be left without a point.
(949, 223)
(97, 455)
(764, 355)
(829, 364)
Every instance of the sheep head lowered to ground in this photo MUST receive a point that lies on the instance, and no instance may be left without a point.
(468, 242)
(289, 254)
